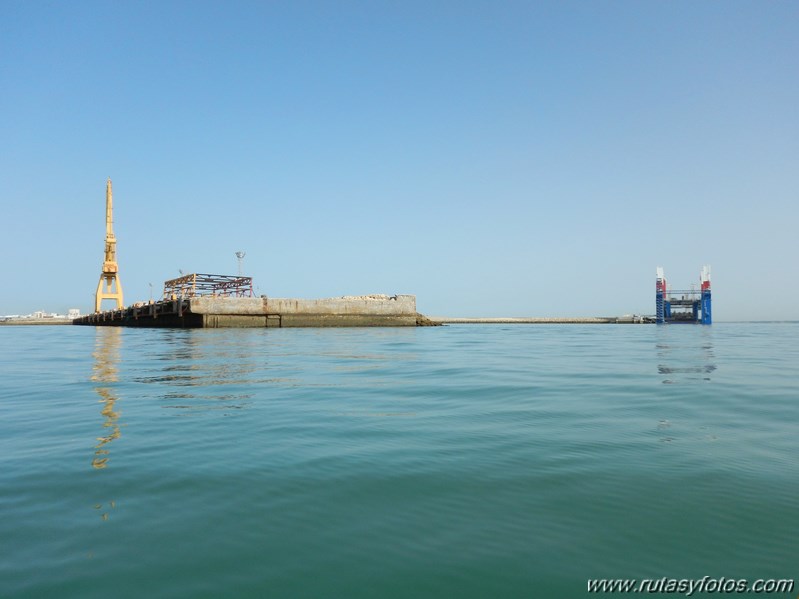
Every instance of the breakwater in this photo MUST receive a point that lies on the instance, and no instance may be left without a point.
(554, 320)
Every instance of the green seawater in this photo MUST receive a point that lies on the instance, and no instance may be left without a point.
(461, 461)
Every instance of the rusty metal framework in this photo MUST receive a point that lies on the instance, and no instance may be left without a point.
(204, 284)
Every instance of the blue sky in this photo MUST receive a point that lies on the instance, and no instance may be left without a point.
(495, 159)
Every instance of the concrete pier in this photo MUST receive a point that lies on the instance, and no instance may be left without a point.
(259, 312)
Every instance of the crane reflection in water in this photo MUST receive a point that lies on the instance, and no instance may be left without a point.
(104, 374)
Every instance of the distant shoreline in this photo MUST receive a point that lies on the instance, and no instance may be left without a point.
(34, 321)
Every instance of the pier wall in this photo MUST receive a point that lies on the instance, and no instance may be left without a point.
(361, 311)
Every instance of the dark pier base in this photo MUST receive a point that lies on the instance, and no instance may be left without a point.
(173, 313)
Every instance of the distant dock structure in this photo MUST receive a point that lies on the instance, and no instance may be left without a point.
(683, 306)
(224, 301)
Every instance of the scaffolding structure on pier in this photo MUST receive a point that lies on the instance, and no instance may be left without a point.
(201, 284)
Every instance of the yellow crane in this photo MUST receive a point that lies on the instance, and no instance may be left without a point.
(109, 286)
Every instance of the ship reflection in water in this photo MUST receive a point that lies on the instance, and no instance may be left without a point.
(105, 373)
(685, 353)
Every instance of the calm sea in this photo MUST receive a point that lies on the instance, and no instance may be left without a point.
(460, 461)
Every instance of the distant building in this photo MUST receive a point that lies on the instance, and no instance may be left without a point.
(73, 313)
